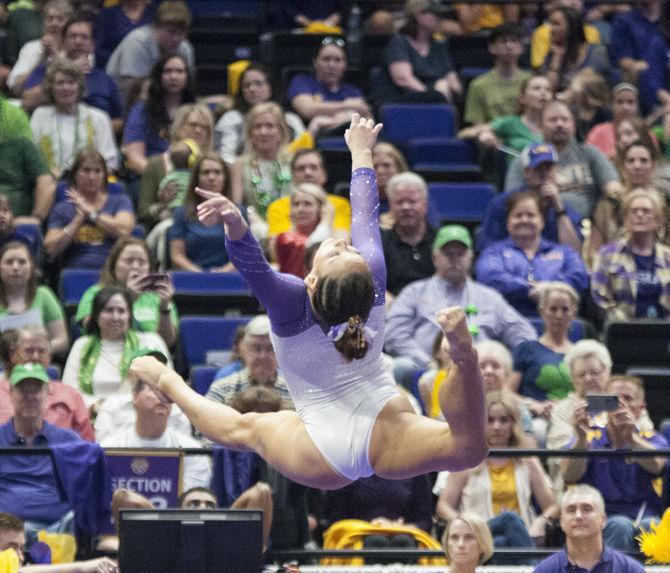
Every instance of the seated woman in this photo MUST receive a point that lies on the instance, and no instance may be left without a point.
(540, 374)
(255, 87)
(501, 490)
(336, 314)
(588, 96)
(24, 302)
(99, 360)
(193, 124)
(516, 266)
(418, 67)
(146, 131)
(631, 276)
(388, 161)
(83, 229)
(625, 105)
(65, 126)
(128, 265)
(323, 100)
(312, 217)
(516, 131)
(193, 246)
(263, 173)
(570, 52)
(467, 542)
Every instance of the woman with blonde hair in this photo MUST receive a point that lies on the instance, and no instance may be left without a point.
(263, 173)
(540, 375)
(467, 542)
(312, 219)
(191, 134)
(631, 276)
(501, 490)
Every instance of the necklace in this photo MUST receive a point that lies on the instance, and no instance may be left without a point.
(265, 193)
(63, 162)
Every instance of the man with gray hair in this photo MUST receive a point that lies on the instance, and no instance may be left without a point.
(410, 325)
(408, 244)
(582, 520)
(260, 366)
(590, 365)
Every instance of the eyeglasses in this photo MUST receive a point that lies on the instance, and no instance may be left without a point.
(330, 40)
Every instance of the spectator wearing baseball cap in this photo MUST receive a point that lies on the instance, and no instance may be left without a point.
(411, 327)
(562, 223)
(517, 265)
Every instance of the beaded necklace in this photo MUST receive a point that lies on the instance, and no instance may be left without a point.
(267, 194)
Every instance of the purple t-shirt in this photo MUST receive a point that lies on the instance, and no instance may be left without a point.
(90, 246)
(138, 128)
(308, 84)
(625, 486)
(611, 561)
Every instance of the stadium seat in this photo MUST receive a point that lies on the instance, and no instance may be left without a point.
(207, 293)
(201, 378)
(287, 49)
(73, 283)
(442, 152)
(639, 343)
(200, 334)
(458, 202)
(403, 122)
(656, 390)
(214, 46)
(579, 329)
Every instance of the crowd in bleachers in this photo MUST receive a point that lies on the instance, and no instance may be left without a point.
(522, 175)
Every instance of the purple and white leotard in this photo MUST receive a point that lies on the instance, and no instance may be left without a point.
(337, 400)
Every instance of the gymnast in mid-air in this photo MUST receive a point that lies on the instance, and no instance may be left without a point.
(328, 332)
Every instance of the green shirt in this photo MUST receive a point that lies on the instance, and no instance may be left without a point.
(514, 133)
(146, 310)
(45, 304)
(490, 96)
(21, 164)
(13, 121)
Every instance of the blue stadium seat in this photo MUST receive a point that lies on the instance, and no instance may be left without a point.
(578, 328)
(73, 283)
(201, 378)
(458, 202)
(200, 334)
(208, 283)
(442, 152)
(403, 122)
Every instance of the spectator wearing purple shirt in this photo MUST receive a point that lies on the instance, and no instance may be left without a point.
(27, 485)
(101, 91)
(517, 265)
(582, 520)
(323, 100)
(626, 483)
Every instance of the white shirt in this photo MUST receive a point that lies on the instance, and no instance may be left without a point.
(29, 57)
(197, 470)
(106, 375)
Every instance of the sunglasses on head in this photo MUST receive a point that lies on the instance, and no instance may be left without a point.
(339, 42)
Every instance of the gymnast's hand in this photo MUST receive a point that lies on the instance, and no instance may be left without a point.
(362, 134)
(454, 325)
(216, 209)
(150, 371)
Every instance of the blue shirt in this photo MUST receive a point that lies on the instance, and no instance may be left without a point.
(506, 268)
(205, 246)
(101, 91)
(625, 486)
(308, 84)
(649, 289)
(137, 128)
(543, 372)
(611, 561)
(27, 486)
(630, 36)
(494, 226)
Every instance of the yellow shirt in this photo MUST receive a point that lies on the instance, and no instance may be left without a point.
(489, 16)
(540, 43)
(9, 561)
(503, 488)
(279, 219)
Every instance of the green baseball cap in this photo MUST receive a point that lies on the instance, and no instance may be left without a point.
(28, 371)
(450, 233)
(155, 352)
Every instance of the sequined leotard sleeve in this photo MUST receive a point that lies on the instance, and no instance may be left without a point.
(285, 296)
